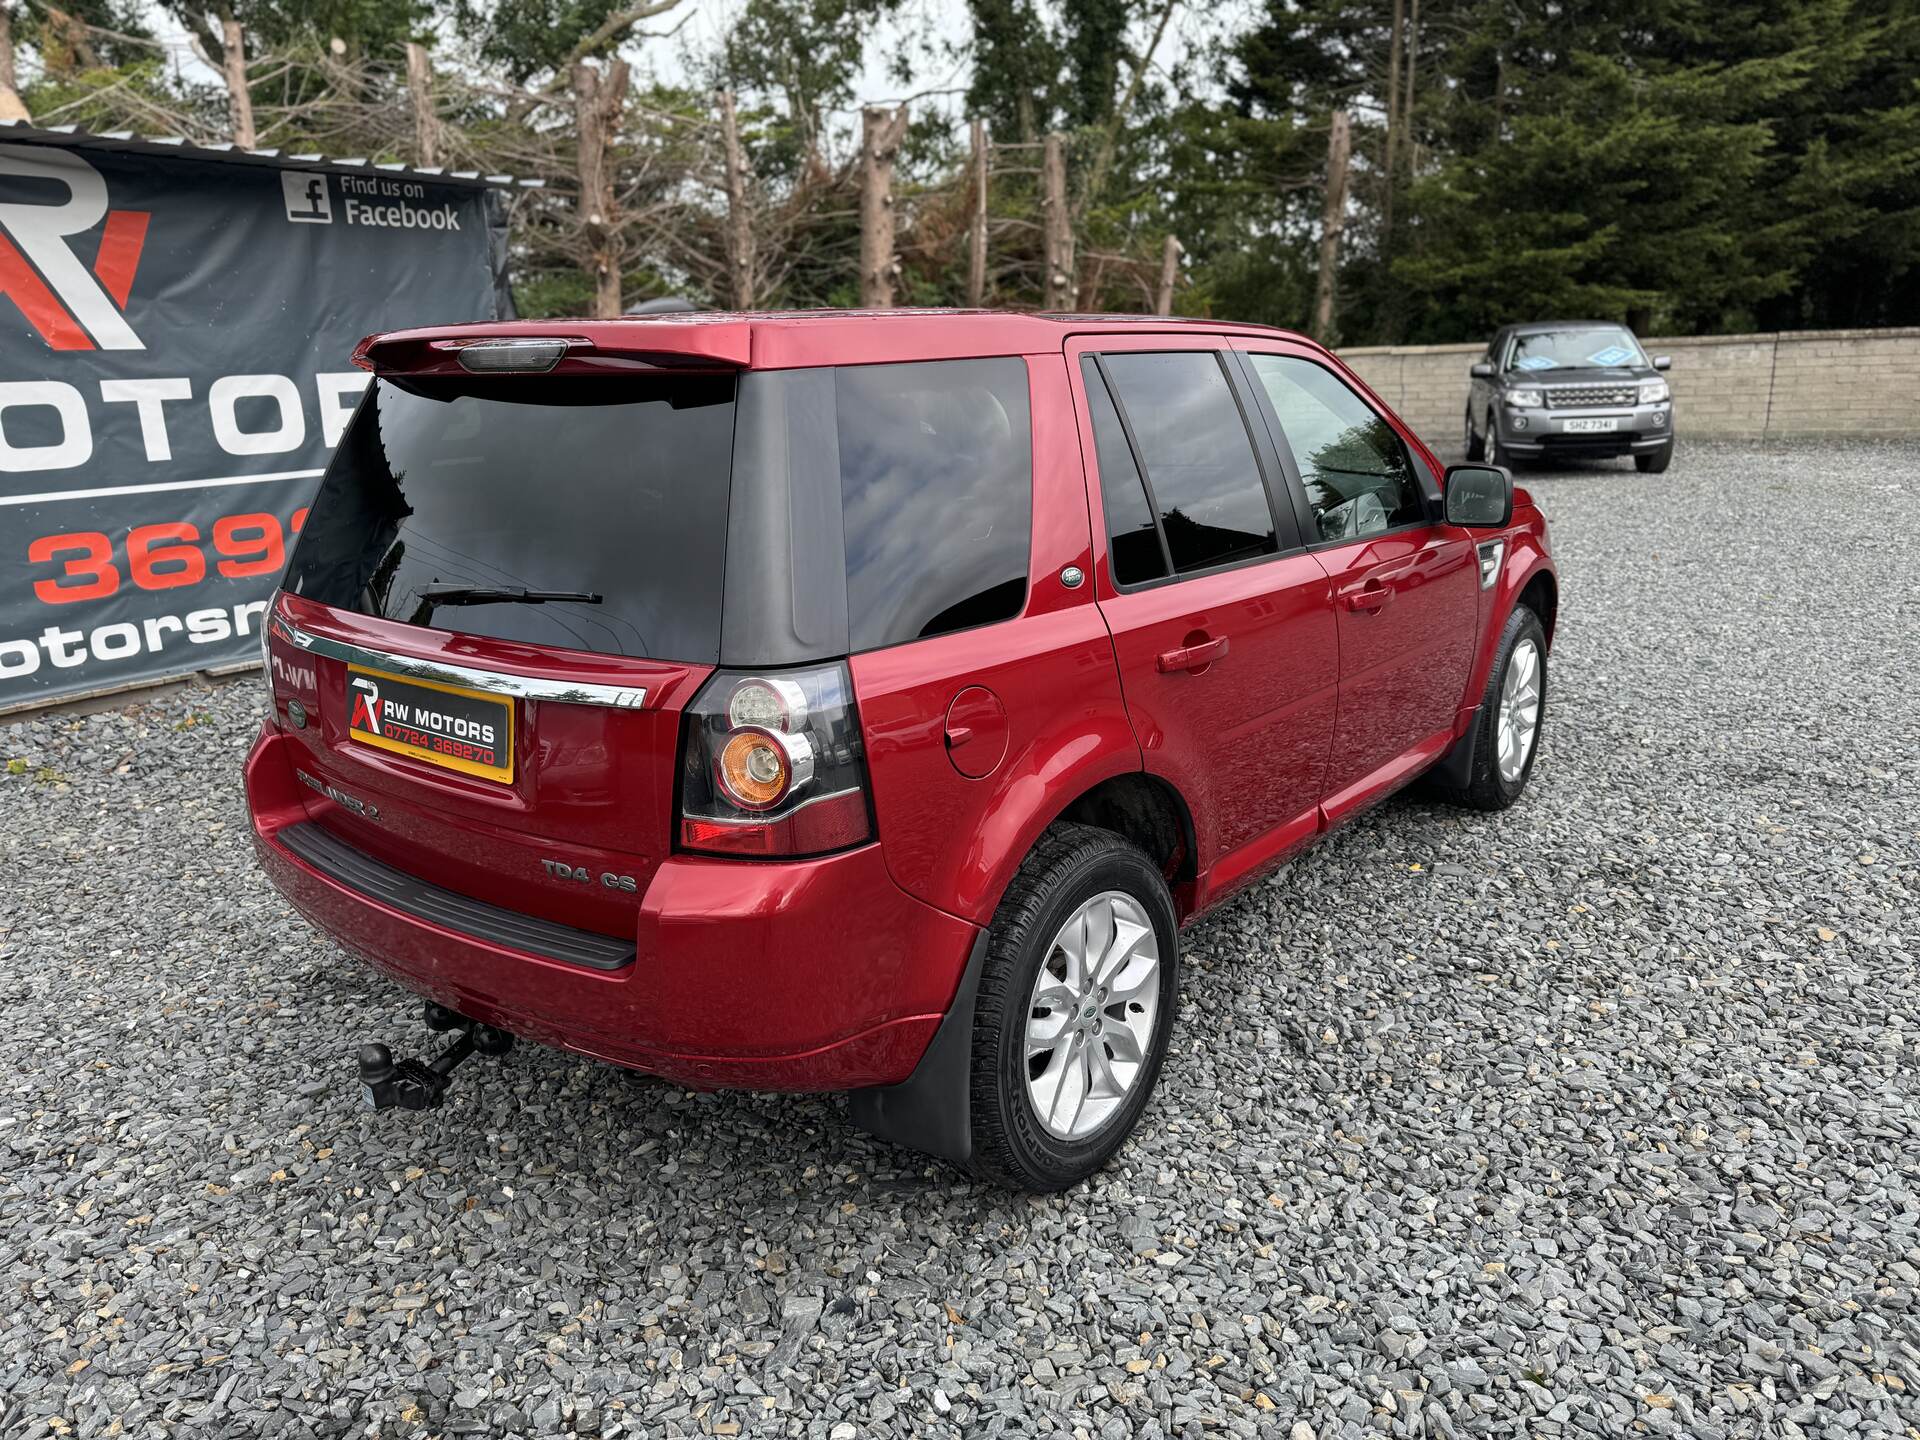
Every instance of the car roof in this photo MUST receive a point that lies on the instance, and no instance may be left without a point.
(781, 339)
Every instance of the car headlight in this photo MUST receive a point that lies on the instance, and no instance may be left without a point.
(1653, 391)
(1524, 399)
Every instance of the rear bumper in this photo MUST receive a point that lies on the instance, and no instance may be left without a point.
(810, 975)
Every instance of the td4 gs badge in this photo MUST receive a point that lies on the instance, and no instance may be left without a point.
(561, 870)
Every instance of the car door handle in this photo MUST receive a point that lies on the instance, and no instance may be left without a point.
(1191, 657)
(1373, 597)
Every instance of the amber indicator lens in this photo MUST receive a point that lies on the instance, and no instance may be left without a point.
(754, 769)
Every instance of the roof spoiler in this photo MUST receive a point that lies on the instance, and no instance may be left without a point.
(546, 347)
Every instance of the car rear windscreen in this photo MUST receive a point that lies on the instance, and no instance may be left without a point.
(447, 497)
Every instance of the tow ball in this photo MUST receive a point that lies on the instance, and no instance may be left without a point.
(386, 1083)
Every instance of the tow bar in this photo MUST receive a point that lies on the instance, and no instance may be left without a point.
(418, 1085)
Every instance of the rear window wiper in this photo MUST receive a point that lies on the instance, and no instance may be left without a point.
(503, 595)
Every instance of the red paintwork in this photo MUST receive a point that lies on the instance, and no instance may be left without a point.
(977, 732)
(786, 340)
(1244, 738)
(592, 785)
(833, 973)
(745, 975)
(1407, 607)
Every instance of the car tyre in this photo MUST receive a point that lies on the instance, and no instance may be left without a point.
(1655, 462)
(1476, 449)
(1513, 712)
(1074, 875)
(1490, 447)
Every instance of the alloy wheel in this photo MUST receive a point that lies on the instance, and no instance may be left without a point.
(1090, 1018)
(1519, 709)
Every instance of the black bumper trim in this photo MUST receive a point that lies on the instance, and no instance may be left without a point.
(377, 880)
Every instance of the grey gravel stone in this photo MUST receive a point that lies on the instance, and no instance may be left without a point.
(1597, 1117)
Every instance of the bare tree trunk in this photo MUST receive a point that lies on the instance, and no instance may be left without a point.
(11, 106)
(1169, 276)
(233, 62)
(426, 125)
(740, 248)
(598, 102)
(1408, 144)
(1333, 220)
(1059, 224)
(977, 228)
(1086, 297)
(881, 134)
(1393, 114)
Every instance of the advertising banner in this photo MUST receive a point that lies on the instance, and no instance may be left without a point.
(175, 335)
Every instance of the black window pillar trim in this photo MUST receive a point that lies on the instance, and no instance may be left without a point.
(1139, 468)
(1250, 396)
(1307, 522)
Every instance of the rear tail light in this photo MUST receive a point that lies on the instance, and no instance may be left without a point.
(774, 765)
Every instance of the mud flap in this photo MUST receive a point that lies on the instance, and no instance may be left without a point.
(929, 1111)
(1454, 768)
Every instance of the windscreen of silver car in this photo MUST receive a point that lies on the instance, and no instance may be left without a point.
(1586, 347)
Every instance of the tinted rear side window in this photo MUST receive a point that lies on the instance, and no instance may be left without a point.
(1134, 539)
(936, 486)
(1198, 456)
(615, 487)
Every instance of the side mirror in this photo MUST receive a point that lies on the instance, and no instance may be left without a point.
(1663, 362)
(1479, 497)
(1481, 370)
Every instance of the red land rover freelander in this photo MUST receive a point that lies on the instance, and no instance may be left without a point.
(863, 701)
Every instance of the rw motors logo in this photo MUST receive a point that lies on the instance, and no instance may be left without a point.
(72, 305)
(366, 706)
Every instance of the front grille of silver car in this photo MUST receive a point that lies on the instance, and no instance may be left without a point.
(1585, 397)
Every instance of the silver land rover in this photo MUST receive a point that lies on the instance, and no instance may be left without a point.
(1569, 389)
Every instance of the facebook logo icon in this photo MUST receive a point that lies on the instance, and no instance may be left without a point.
(308, 202)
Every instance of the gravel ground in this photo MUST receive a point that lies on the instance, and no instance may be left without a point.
(1598, 1117)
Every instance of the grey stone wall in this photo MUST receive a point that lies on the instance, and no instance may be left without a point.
(1798, 383)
